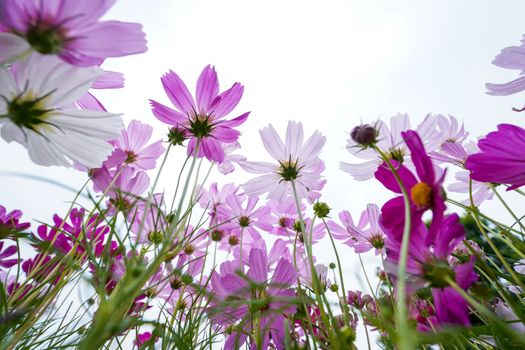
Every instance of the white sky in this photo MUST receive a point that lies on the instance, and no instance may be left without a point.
(328, 64)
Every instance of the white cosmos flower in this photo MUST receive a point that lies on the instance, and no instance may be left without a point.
(37, 110)
(295, 160)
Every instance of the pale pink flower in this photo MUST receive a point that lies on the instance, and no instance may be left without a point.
(131, 149)
(364, 236)
(295, 160)
(67, 28)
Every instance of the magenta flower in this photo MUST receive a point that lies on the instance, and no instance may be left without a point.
(295, 160)
(5, 254)
(425, 193)
(131, 150)
(10, 223)
(238, 298)
(69, 29)
(79, 233)
(364, 236)
(428, 265)
(504, 148)
(202, 119)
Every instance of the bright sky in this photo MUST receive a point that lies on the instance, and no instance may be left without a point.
(328, 64)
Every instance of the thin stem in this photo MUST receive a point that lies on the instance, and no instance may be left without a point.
(404, 337)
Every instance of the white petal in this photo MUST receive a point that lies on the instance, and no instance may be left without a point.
(258, 167)
(294, 138)
(13, 46)
(50, 75)
(11, 132)
(361, 171)
(273, 143)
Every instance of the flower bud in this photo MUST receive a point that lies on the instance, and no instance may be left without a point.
(364, 135)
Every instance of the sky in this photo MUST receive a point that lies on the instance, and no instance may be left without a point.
(328, 64)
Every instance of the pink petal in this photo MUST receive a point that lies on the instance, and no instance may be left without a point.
(178, 93)
(207, 89)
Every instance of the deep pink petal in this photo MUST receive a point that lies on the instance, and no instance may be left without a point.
(178, 93)
(207, 89)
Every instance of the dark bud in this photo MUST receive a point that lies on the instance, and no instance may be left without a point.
(364, 135)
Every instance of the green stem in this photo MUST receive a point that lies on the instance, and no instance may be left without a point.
(405, 336)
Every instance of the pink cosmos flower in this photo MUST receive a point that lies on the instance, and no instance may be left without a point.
(237, 297)
(296, 160)
(452, 150)
(284, 215)
(512, 57)
(450, 138)
(504, 148)
(124, 191)
(202, 119)
(67, 28)
(391, 143)
(143, 339)
(131, 150)
(241, 215)
(10, 223)
(148, 221)
(79, 233)
(213, 199)
(364, 236)
(425, 193)
(5, 254)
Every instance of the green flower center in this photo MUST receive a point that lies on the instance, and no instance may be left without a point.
(244, 221)
(289, 170)
(28, 112)
(201, 126)
(45, 39)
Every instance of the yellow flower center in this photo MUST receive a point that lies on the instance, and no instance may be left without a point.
(421, 194)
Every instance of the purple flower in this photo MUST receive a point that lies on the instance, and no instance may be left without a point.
(10, 223)
(202, 119)
(504, 148)
(67, 28)
(131, 149)
(238, 298)
(79, 233)
(296, 160)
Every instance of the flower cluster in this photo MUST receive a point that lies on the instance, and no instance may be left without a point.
(243, 263)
